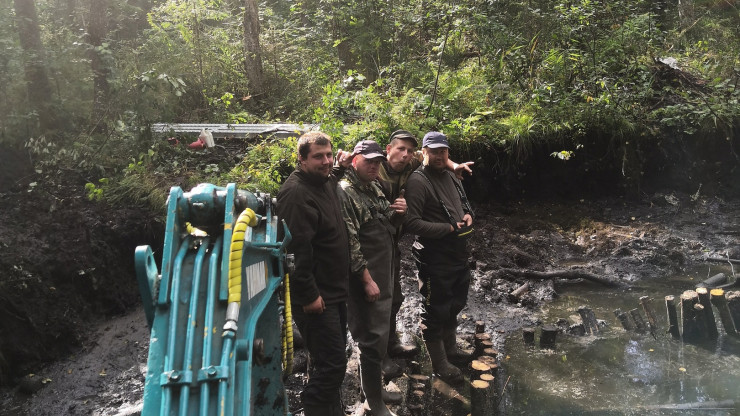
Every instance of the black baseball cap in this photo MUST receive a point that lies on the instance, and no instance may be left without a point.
(370, 149)
(435, 139)
(404, 135)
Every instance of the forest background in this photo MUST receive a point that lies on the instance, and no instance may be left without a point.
(597, 94)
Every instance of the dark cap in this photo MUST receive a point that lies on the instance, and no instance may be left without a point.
(404, 135)
(369, 149)
(435, 139)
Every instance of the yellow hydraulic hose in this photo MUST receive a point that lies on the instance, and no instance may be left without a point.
(246, 219)
(287, 330)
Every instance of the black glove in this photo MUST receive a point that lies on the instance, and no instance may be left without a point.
(464, 232)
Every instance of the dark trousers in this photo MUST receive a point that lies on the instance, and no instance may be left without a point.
(325, 337)
(445, 295)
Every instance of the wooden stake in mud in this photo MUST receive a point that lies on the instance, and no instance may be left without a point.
(547, 336)
(670, 307)
(717, 297)
(491, 352)
(479, 338)
(415, 403)
(492, 402)
(733, 302)
(709, 321)
(689, 329)
(528, 336)
(477, 368)
(482, 347)
(624, 320)
(487, 360)
(701, 322)
(589, 320)
(480, 327)
(652, 322)
(639, 322)
(480, 402)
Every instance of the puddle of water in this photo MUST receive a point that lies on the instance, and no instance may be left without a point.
(620, 372)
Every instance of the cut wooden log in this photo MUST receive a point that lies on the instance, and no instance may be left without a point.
(480, 401)
(649, 314)
(414, 367)
(547, 336)
(624, 320)
(480, 327)
(528, 336)
(577, 329)
(477, 368)
(411, 387)
(487, 359)
(480, 338)
(518, 293)
(709, 321)
(561, 274)
(689, 329)
(492, 352)
(421, 379)
(714, 281)
(733, 302)
(415, 403)
(589, 320)
(717, 297)
(448, 392)
(670, 307)
(639, 322)
(482, 347)
(701, 322)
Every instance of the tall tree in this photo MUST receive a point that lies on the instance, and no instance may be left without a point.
(252, 50)
(36, 76)
(97, 31)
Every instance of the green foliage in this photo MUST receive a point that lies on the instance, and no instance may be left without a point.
(266, 166)
(512, 76)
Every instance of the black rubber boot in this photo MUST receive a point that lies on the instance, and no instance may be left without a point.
(442, 367)
(372, 385)
(454, 354)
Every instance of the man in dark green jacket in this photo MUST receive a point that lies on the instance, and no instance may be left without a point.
(310, 206)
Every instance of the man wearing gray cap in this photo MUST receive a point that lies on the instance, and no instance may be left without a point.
(441, 218)
(371, 222)
(403, 159)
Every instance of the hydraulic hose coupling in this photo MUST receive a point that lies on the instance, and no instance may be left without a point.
(232, 317)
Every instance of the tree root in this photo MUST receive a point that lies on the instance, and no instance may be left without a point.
(561, 274)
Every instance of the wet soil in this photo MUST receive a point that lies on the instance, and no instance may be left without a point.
(73, 338)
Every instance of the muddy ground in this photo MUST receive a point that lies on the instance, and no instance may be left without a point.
(73, 338)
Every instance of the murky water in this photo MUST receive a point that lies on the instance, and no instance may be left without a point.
(620, 372)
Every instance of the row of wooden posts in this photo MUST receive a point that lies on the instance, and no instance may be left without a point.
(483, 374)
(697, 321)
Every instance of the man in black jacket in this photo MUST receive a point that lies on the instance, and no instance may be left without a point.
(441, 218)
(310, 206)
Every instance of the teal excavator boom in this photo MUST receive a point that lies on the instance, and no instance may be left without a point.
(215, 310)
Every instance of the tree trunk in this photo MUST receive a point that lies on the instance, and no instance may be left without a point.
(37, 79)
(97, 30)
(252, 49)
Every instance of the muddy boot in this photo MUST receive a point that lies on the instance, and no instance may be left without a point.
(390, 369)
(323, 409)
(371, 379)
(396, 349)
(391, 397)
(442, 367)
(454, 354)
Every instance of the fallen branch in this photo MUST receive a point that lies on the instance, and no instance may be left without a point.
(722, 259)
(561, 274)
